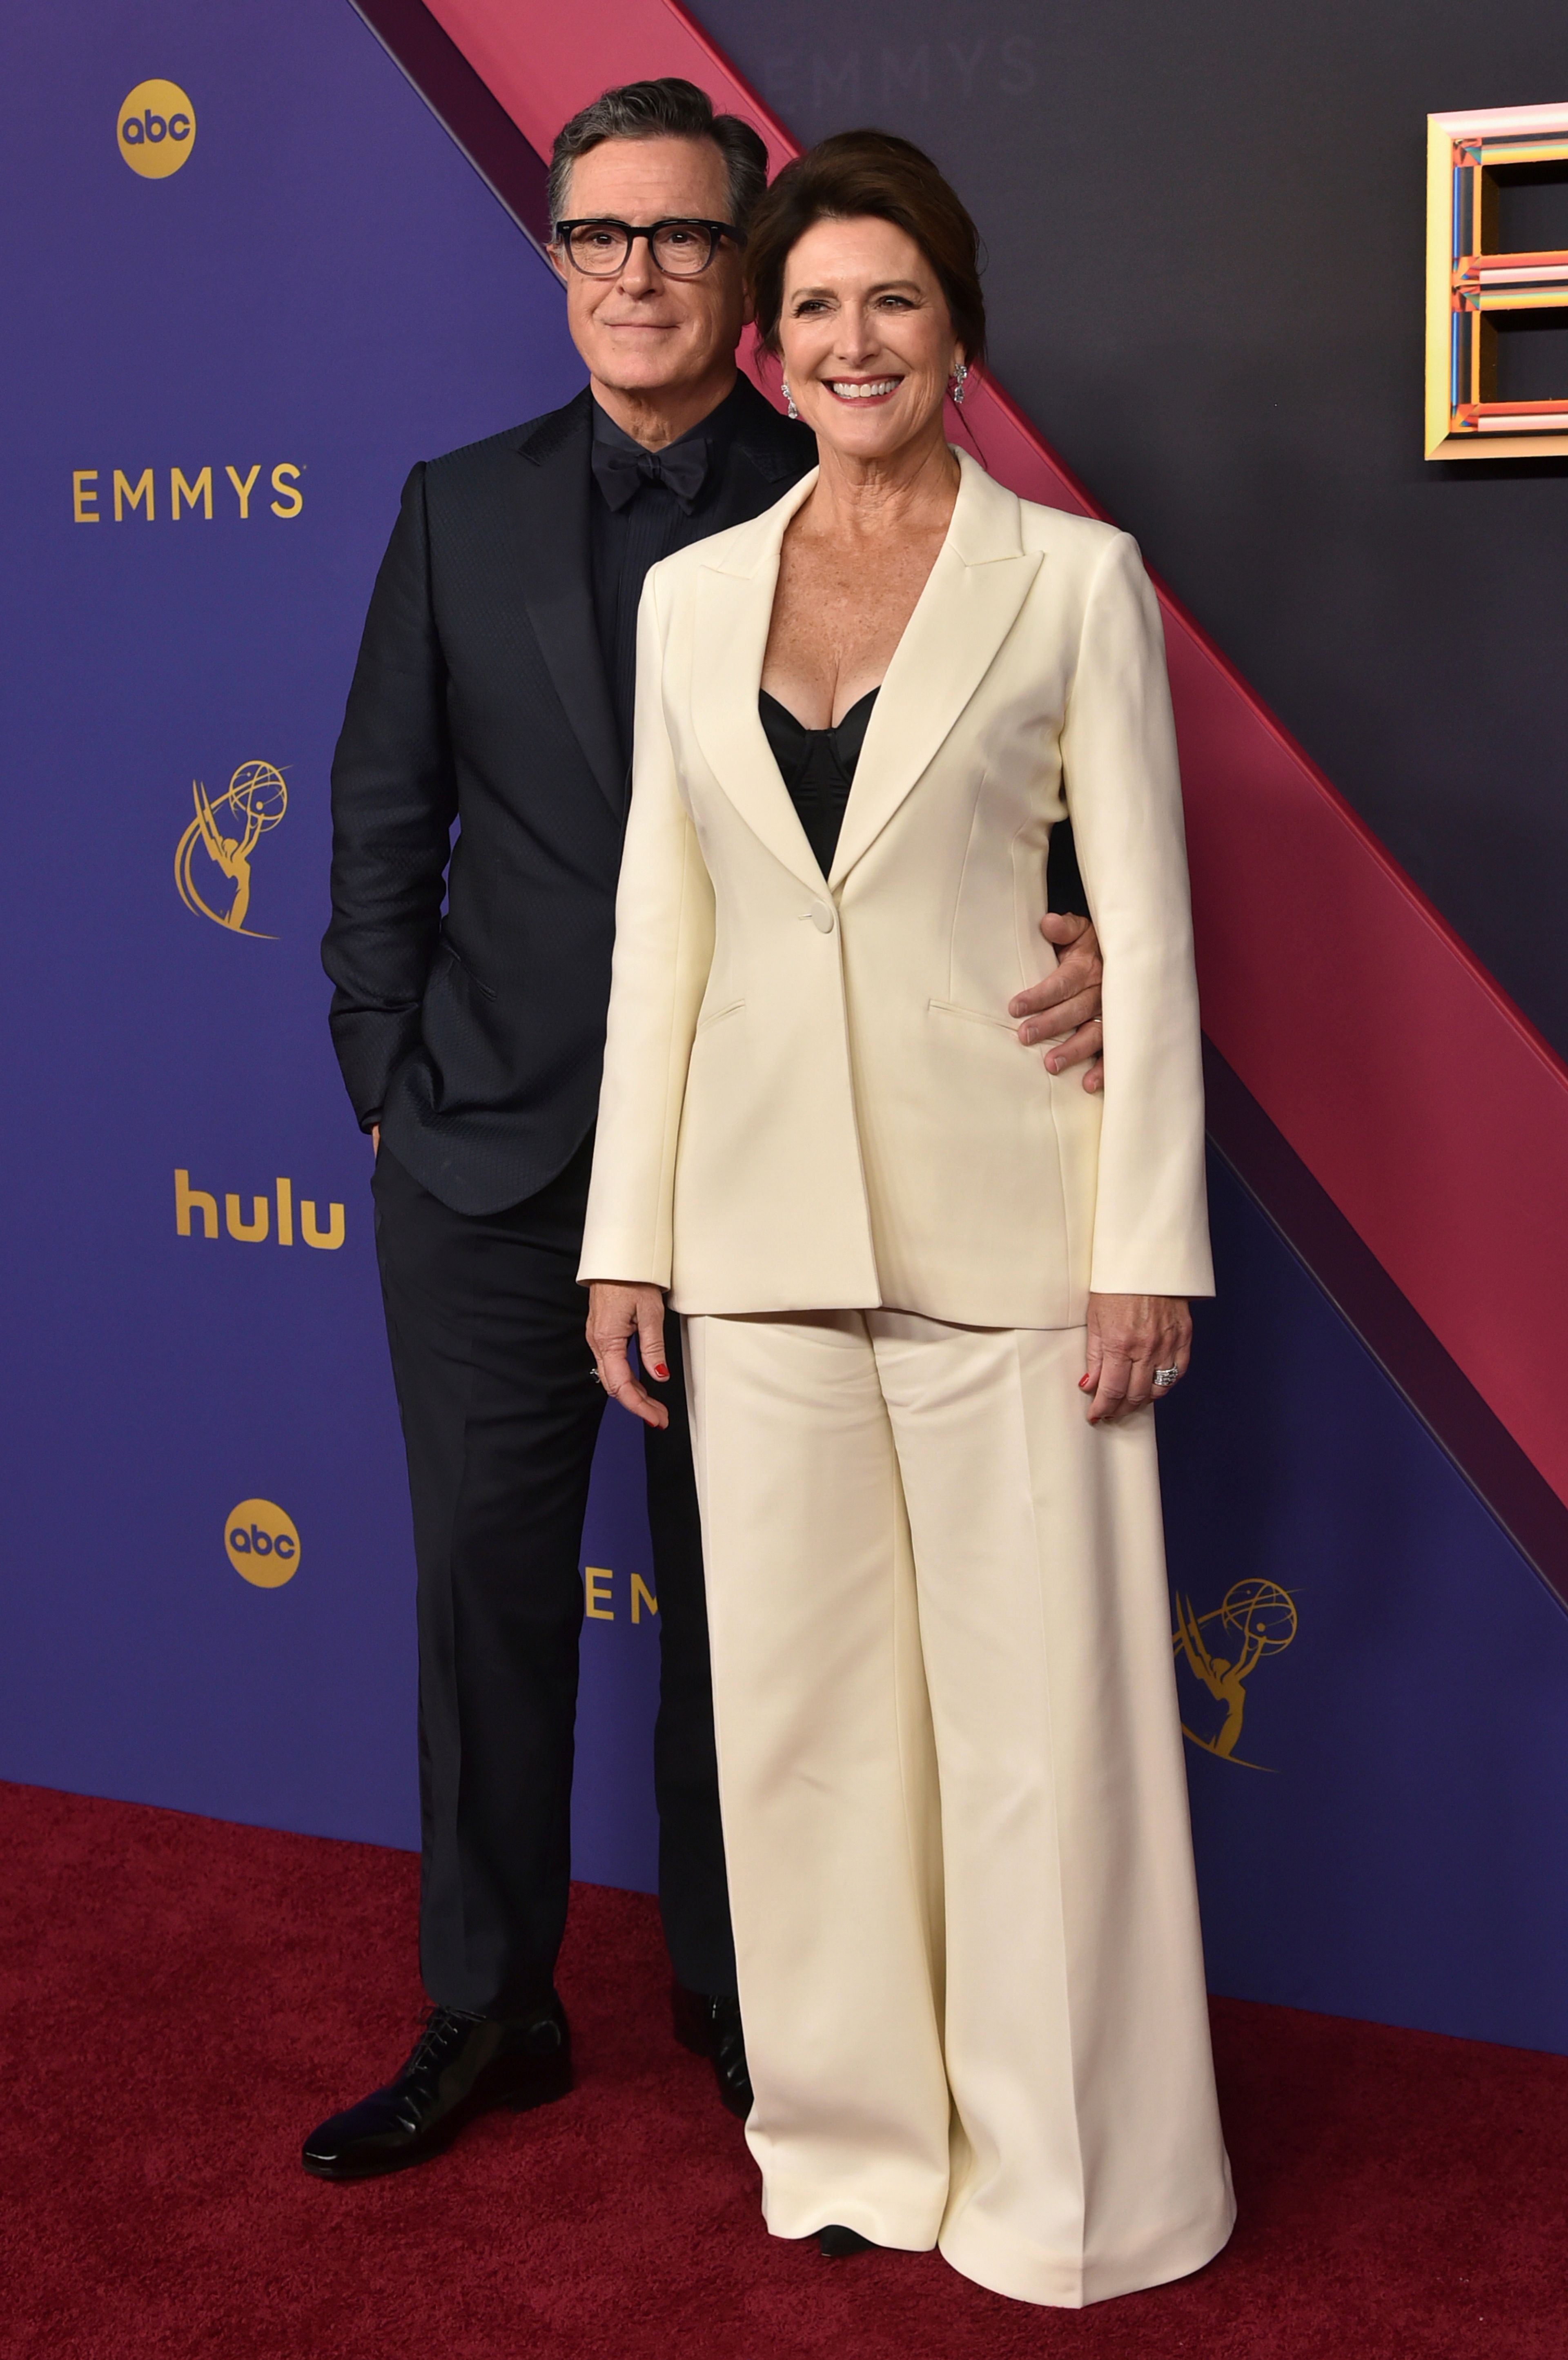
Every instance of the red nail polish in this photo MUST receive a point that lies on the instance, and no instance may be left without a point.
(661, 1372)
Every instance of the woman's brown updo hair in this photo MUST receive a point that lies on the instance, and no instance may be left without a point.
(850, 175)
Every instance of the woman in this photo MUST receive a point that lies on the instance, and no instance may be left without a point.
(927, 1300)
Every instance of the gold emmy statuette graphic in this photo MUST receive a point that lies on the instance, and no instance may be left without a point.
(253, 802)
(262, 1543)
(156, 129)
(1261, 1619)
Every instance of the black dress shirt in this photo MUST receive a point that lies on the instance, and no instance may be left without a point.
(636, 518)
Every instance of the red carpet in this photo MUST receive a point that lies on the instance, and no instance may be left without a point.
(185, 1998)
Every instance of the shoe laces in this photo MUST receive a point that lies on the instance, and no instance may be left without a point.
(442, 2027)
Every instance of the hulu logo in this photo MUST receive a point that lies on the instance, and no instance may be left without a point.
(261, 1224)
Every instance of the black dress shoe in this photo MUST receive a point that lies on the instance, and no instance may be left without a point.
(709, 2025)
(835, 2242)
(461, 2066)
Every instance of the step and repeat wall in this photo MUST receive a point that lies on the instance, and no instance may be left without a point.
(254, 283)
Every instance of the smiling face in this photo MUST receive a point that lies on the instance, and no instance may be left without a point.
(865, 337)
(647, 337)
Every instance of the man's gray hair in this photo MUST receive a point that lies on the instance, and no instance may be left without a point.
(665, 109)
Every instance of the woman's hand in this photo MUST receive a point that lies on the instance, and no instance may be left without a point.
(616, 1314)
(1130, 1335)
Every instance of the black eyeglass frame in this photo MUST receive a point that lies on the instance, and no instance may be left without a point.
(717, 232)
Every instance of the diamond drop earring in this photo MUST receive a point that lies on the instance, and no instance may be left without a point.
(789, 397)
(956, 389)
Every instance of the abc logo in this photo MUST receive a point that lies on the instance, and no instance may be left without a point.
(262, 1543)
(158, 129)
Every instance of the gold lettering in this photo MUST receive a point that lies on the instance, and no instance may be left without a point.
(133, 499)
(243, 490)
(596, 1580)
(286, 1212)
(290, 491)
(313, 1236)
(642, 1596)
(259, 1209)
(201, 490)
(83, 503)
(188, 1200)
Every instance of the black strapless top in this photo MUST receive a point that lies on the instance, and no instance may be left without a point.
(817, 766)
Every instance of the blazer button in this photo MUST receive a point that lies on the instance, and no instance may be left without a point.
(821, 918)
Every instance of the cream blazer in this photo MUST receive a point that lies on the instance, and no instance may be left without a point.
(813, 1095)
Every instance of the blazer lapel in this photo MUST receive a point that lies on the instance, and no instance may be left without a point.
(553, 483)
(733, 609)
(971, 601)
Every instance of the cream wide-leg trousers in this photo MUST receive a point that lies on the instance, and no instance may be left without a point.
(954, 1804)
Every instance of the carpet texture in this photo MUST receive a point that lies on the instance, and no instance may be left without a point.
(184, 1999)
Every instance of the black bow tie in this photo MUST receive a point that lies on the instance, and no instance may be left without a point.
(621, 475)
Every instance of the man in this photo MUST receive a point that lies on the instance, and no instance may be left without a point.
(493, 689)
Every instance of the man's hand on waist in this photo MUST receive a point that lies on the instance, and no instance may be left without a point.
(1067, 1002)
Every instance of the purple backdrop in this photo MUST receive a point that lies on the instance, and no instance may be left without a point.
(324, 284)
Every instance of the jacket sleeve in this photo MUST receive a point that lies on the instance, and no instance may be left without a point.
(394, 801)
(664, 949)
(1124, 793)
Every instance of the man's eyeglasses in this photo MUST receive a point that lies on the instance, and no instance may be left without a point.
(680, 248)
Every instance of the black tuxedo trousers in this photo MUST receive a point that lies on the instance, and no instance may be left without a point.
(500, 1416)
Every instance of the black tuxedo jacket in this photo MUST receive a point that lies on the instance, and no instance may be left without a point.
(475, 1038)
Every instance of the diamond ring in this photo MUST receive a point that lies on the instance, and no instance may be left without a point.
(1163, 1377)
